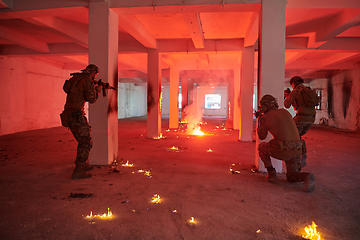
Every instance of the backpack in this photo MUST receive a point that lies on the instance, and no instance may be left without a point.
(310, 96)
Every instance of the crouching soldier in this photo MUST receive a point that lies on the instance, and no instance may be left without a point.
(285, 146)
(80, 89)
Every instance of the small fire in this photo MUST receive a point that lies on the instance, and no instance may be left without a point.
(127, 164)
(159, 137)
(192, 220)
(109, 215)
(209, 150)
(156, 199)
(174, 148)
(311, 232)
(175, 211)
(234, 171)
(197, 131)
(148, 174)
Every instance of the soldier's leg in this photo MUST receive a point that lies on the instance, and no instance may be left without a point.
(293, 174)
(264, 154)
(303, 127)
(81, 131)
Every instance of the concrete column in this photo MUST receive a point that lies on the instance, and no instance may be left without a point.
(236, 105)
(271, 61)
(246, 95)
(103, 51)
(174, 96)
(230, 105)
(153, 94)
(184, 95)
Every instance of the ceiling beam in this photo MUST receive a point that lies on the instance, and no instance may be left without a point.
(210, 45)
(252, 31)
(23, 40)
(135, 28)
(193, 23)
(131, 61)
(341, 22)
(62, 28)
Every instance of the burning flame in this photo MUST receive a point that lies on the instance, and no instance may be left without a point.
(159, 137)
(175, 211)
(234, 171)
(197, 131)
(209, 150)
(192, 220)
(311, 232)
(156, 199)
(146, 173)
(127, 164)
(174, 148)
(109, 215)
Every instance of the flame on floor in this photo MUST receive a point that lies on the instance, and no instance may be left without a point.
(156, 199)
(109, 215)
(311, 232)
(127, 164)
(159, 137)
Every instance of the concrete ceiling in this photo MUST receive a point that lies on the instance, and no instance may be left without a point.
(202, 38)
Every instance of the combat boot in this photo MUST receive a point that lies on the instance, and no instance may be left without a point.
(79, 173)
(87, 167)
(271, 177)
(309, 182)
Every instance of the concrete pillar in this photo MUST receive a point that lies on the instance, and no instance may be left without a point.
(103, 51)
(246, 95)
(230, 105)
(236, 105)
(184, 95)
(153, 94)
(271, 61)
(174, 96)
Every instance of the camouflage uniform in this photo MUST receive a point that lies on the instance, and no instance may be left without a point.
(80, 89)
(286, 144)
(288, 151)
(305, 116)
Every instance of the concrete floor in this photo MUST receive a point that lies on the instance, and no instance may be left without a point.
(38, 199)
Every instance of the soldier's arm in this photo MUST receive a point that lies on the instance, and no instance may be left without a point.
(290, 99)
(90, 92)
(261, 128)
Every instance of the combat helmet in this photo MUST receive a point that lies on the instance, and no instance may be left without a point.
(296, 80)
(267, 102)
(91, 68)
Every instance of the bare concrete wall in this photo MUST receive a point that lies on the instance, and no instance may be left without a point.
(341, 100)
(31, 94)
(132, 100)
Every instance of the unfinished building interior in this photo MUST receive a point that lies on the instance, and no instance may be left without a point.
(172, 64)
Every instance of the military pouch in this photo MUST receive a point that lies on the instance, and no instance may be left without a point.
(64, 119)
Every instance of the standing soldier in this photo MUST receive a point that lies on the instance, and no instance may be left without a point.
(80, 88)
(304, 100)
(286, 144)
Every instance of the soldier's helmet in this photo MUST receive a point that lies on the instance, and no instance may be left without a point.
(296, 80)
(268, 101)
(91, 68)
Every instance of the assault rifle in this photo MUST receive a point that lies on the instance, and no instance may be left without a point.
(104, 86)
(100, 83)
(259, 112)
